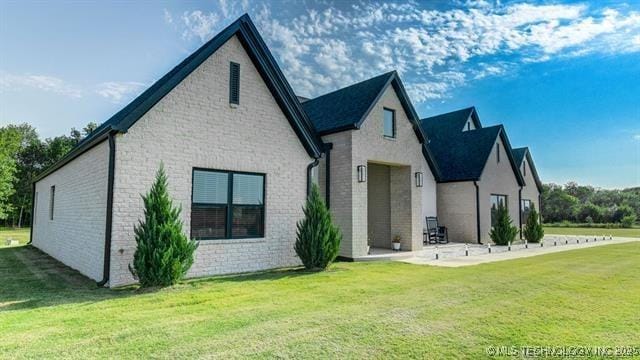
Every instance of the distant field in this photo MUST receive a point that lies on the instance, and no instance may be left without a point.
(591, 231)
(22, 235)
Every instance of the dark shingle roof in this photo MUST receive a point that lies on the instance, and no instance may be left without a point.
(519, 154)
(345, 108)
(463, 156)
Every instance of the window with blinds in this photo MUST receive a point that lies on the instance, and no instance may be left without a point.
(234, 83)
(227, 205)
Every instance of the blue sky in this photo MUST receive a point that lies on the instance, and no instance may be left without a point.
(561, 76)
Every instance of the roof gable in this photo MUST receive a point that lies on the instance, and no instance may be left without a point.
(264, 62)
(519, 155)
(347, 108)
(462, 155)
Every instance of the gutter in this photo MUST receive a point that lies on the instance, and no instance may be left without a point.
(520, 210)
(327, 186)
(108, 224)
(310, 167)
(33, 206)
(475, 183)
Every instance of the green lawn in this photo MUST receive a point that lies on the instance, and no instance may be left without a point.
(355, 310)
(591, 231)
(22, 235)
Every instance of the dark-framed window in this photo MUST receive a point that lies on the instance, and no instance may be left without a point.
(525, 207)
(496, 201)
(389, 123)
(227, 204)
(234, 83)
(524, 168)
(52, 196)
(498, 151)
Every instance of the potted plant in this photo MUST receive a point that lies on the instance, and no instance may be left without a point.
(396, 242)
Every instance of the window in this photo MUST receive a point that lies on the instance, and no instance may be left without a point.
(389, 126)
(496, 201)
(468, 125)
(234, 84)
(227, 205)
(52, 196)
(498, 151)
(524, 168)
(526, 210)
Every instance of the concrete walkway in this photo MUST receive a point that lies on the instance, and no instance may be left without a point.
(453, 255)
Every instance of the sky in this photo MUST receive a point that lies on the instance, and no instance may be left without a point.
(563, 77)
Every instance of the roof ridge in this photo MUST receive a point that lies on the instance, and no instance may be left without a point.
(388, 74)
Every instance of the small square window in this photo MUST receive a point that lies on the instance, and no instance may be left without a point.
(389, 125)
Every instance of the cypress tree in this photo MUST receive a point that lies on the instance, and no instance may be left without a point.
(533, 230)
(163, 253)
(317, 238)
(503, 231)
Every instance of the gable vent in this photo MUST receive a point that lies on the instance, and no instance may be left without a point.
(234, 84)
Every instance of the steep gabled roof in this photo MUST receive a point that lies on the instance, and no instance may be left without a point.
(519, 154)
(462, 155)
(347, 108)
(451, 123)
(262, 59)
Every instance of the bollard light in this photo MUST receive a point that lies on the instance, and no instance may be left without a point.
(602, 237)
(509, 246)
(489, 247)
(555, 242)
(595, 239)
(541, 244)
(610, 238)
(466, 249)
(578, 241)
(526, 244)
(587, 240)
(437, 255)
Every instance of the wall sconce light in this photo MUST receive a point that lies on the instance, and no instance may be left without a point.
(419, 181)
(362, 173)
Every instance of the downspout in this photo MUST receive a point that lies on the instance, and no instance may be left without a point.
(33, 199)
(327, 173)
(309, 169)
(475, 183)
(520, 210)
(108, 224)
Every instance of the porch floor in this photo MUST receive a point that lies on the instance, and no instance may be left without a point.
(453, 254)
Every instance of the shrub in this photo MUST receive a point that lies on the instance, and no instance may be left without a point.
(627, 221)
(317, 238)
(503, 231)
(163, 254)
(533, 231)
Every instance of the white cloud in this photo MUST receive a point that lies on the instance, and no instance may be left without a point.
(199, 24)
(168, 18)
(636, 137)
(41, 82)
(328, 47)
(118, 91)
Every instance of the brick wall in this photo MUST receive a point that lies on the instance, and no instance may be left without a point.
(75, 236)
(194, 126)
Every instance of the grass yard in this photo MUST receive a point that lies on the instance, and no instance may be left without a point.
(22, 235)
(355, 310)
(591, 231)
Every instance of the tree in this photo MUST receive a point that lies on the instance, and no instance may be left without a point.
(163, 253)
(503, 231)
(589, 210)
(620, 212)
(317, 238)
(9, 146)
(628, 221)
(533, 230)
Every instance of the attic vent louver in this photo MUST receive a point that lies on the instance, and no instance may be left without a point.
(234, 84)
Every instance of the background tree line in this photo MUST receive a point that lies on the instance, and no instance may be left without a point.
(588, 205)
(23, 155)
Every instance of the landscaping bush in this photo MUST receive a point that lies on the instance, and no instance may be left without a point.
(628, 221)
(163, 254)
(503, 232)
(318, 239)
(533, 231)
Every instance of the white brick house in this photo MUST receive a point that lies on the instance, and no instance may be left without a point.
(241, 150)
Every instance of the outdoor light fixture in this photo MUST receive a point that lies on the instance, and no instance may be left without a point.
(362, 173)
(418, 179)
(526, 245)
(489, 247)
(509, 246)
(466, 250)
(437, 252)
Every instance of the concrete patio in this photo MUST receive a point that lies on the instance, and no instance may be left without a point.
(455, 254)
